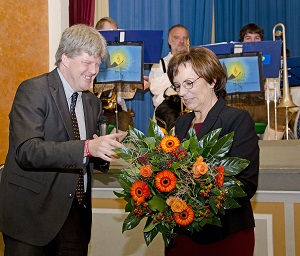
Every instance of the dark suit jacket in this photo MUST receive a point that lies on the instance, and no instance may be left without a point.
(245, 145)
(41, 169)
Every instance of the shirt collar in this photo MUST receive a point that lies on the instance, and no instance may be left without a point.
(67, 88)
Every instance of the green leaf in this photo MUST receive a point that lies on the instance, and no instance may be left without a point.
(135, 133)
(234, 191)
(165, 231)
(222, 146)
(185, 144)
(212, 203)
(155, 131)
(130, 222)
(150, 227)
(149, 236)
(210, 138)
(230, 203)
(158, 203)
(151, 142)
(233, 165)
(191, 133)
(216, 222)
(129, 206)
(125, 153)
(120, 194)
(193, 143)
(125, 182)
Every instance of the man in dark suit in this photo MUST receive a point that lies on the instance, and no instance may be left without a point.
(40, 213)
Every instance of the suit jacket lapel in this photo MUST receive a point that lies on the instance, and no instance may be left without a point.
(211, 118)
(59, 97)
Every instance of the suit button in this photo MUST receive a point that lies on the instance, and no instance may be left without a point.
(70, 196)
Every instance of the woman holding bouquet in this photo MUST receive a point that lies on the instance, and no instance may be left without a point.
(199, 79)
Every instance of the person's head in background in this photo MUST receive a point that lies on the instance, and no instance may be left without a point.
(251, 33)
(106, 23)
(178, 39)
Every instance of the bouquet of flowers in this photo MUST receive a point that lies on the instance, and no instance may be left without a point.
(171, 184)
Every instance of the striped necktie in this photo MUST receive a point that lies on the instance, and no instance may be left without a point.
(79, 187)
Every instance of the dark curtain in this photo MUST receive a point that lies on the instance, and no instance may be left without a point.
(196, 15)
(232, 15)
(81, 12)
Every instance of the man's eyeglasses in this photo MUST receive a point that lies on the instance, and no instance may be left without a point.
(186, 84)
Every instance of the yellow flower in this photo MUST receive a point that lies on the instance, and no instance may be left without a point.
(146, 170)
(139, 191)
(199, 167)
(185, 217)
(169, 144)
(165, 181)
(176, 203)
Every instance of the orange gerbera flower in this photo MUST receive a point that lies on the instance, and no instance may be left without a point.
(185, 217)
(146, 170)
(139, 191)
(169, 144)
(165, 181)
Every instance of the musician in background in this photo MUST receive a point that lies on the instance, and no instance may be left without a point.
(167, 104)
(251, 33)
(256, 104)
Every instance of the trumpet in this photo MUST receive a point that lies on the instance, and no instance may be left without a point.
(286, 100)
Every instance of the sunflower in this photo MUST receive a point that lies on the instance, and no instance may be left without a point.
(165, 181)
(185, 217)
(169, 144)
(139, 191)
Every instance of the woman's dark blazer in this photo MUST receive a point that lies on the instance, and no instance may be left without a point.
(245, 145)
(43, 162)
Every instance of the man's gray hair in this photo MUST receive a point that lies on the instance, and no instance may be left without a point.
(81, 38)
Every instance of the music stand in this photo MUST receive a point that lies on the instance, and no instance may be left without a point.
(293, 68)
(271, 55)
(152, 40)
(220, 48)
(244, 71)
(123, 67)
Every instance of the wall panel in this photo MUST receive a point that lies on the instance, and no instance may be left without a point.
(24, 51)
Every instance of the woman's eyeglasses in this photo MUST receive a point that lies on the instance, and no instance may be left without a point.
(186, 84)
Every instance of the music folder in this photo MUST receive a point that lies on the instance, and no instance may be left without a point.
(270, 50)
(152, 40)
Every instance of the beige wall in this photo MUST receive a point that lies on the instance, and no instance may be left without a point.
(24, 51)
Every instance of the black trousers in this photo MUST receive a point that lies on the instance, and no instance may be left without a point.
(72, 239)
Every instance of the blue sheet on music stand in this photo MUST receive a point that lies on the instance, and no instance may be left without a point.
(220, 48)
(152, 40)
(293, 65)
(271, 52)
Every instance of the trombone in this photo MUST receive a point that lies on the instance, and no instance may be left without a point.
(286, 100)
